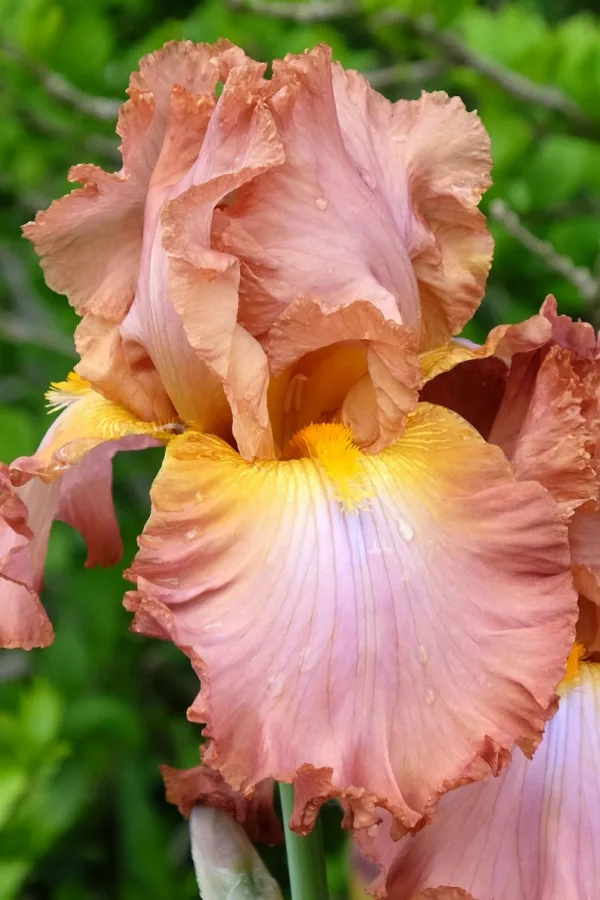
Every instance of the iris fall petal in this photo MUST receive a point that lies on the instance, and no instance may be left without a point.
(533, 833)
(337, 582)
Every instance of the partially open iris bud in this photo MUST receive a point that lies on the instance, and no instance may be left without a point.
(227, 865)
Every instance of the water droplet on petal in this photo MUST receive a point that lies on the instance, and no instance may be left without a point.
(322, 203)
(405, 529)
(369, 181)
(423, 654)
(198, 496)
(429, 697)
(191, 535)
(275, 686)
(308, 659)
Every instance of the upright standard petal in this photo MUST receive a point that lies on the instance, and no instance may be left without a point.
(429, 161)
(185, 311)
(91, 240)
(376, 197)
(533, 833)
(377, 604)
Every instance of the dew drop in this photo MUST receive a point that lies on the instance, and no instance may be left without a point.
(369, 181)
(275, 686)
(429, 697)
(405, 529)
(190, 535)
(198, 496)
(308, 659)
(423, 654)
(322, 203)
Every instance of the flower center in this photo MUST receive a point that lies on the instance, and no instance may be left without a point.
(332, 446)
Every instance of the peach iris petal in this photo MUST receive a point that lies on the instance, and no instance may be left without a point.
(87, 422)
(128, 378)
(542, 429)
(584, 537)
(25, 520)
(203, 786)
(531, 834)
(438, 614)
(377, 404)
(185, 311)
(311, 226)
(91, 240)
(69, 479)
(379, 200)
(429, 161)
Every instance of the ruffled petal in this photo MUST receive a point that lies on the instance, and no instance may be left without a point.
(504, 342)
(429, 161)
(313, 226)
(379, 200)
(92, 478)
(202, 786)
(374, 405)
(91, 240)
(185, 312)
(533, 396)
(121, 372)
(542, 429)
(532, 833)
(25, 519)
(376, 604)
(578, 337)
(73, 466)
(584, 538)
(88, 421)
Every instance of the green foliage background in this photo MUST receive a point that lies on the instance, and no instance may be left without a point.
(85, 724)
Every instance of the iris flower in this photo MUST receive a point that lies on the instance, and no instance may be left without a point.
(377, 599)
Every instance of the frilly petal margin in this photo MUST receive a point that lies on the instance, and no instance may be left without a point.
(69, 479)
(25, 520)
(185, 310)
(531, 834)
(438, 613)
(203, 786)
(91, 240)
(444, 153)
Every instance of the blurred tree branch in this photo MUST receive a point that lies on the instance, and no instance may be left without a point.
(582, 278)
(311, 11)
(451, 45)
(103, 108)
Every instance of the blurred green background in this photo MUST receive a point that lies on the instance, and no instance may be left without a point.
(85, 724)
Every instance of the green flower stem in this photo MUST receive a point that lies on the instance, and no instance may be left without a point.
(306, 856)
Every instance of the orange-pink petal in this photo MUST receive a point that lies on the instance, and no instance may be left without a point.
(25, 519)
(185, 311)
(429, 161)
(203, 786)
(378, 200)
(376, 405)
(376, 604)
(530, 834)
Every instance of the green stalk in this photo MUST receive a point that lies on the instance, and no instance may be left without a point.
(306, 856)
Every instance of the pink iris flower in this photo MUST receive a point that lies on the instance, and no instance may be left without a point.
(367, 561)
